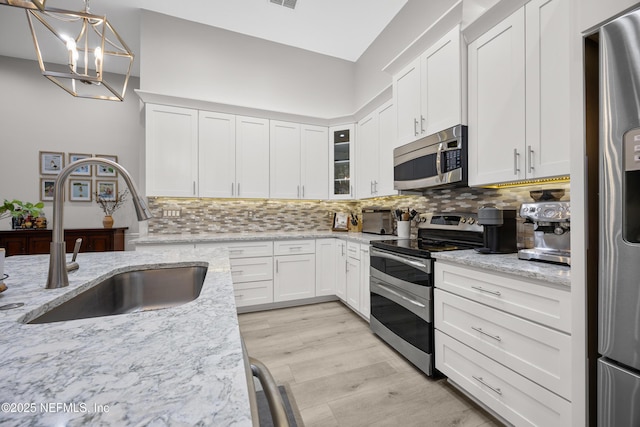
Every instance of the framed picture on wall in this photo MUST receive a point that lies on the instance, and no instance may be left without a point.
(107, 189)
(340, 221)
(82, 170)
(51, 163)
(106, 171)
(80, 190)
(46, 189)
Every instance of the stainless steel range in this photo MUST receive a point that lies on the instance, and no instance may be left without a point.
(401, 282)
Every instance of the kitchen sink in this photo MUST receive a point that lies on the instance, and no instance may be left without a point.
(139, 290)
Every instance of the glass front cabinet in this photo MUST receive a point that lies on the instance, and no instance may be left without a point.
(341, 155)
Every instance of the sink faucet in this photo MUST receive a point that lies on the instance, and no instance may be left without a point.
(57, 277)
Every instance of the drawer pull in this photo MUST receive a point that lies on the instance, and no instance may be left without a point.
(237, 271)
(478, 288)
(236, 251)
(295, 247)
(495, 337)
(484, 383)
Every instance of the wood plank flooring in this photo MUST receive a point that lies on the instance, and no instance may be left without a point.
(341, 374)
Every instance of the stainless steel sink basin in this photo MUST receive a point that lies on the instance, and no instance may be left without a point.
(139, 290)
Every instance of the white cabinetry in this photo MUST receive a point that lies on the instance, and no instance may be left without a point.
(299, 161)
(519, 96)
(505, 341)
(357, 278)
(341, 166)
(365, 295)
(353, 283)
(374, 153)
(295, 273)
(325, 267)
(171, 151)
(252, 152)
(217, 157)
(428, 92)
(341, 269)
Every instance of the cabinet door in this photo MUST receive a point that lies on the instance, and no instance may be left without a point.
(16, 245)
(285, 160)
(341, 269)
(314, 147)
(252, 154)
(217, 154)
(341, 155)
(496, 103)
(441, 84)
(171, 151)
(295, 277)
(383, 185)
(367, 155)
(548, 105)
(365, 296)
(406, 97)
(325, 267)
(353, 283)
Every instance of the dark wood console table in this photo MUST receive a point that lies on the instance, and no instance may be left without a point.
(33, 242)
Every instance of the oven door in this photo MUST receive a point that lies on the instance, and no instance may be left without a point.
(410, 273)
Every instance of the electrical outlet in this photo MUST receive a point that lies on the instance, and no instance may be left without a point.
(171, 213)
(249, 214)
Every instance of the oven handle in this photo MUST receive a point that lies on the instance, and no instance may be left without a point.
(422, 310)
(398, 294)
(426, 267)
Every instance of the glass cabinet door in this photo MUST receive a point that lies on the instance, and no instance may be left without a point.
(341, 162)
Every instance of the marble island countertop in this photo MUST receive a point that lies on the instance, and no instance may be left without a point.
(253, 236)
(509, 264)
(179, 366)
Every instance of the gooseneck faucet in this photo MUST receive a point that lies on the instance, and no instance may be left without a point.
(57, 277)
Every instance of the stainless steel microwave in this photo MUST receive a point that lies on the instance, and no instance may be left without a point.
(437, 160)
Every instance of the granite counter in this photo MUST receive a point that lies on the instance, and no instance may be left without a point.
(179, 366)
(509, 264)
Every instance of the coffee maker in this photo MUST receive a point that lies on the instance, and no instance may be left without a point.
(551, 231)
(500, 230)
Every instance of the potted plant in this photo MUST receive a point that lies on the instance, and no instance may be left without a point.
(109, 206)
(23, 214)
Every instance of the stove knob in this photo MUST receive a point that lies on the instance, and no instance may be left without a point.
(463, 220)
(558, 230)
(471, 221)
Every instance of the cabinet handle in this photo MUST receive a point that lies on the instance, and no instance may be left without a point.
(342, 250)
(415, 127)
(495, 337)
(351, 191)
(484, 383)
(237, 271)
(277, 266)
(233, 189)
(303, 191)
(236, 251)
(298, 191)
(421, 123)
(194, 188)
(238, 192)
(515, 161)
(295, 247)
(530, 153)
(478, 288)
(239, 295)
(375, 186)
(371, 187)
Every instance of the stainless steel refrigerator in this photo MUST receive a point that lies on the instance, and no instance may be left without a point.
(619, 251)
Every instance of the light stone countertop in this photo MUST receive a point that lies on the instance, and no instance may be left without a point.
(156, 239)
(179, 366)
(509, 264)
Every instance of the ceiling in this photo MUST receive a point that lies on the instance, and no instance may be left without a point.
(338, 28)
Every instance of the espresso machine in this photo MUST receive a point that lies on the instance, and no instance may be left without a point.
(551, 231)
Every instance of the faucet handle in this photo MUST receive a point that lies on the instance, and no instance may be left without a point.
(73, 265)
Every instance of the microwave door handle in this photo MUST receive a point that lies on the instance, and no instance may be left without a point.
(439, 161)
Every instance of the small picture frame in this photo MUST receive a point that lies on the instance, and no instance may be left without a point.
(80, 190)
(106, 171)
(107, 189)
(84, 170)
(340, 221)
(46, 189)
(51, 163)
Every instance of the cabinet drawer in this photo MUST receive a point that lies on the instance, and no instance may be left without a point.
(510, 395)
(243, 249)
(353, 250)
(537, 301)
(252, 293)
(158, 247)
(251, 269)
(541, 354)
(294, 247)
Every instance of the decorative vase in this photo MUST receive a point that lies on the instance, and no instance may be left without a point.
(107, 221)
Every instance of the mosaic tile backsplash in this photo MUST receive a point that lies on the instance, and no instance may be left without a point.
(242, 215)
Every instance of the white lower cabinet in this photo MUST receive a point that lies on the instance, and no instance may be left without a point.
(353, 275)
(325, 267)
(504, 340)
(341, 269)
(365, 295)
(294, 275)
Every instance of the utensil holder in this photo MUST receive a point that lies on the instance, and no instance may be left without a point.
(404, 229)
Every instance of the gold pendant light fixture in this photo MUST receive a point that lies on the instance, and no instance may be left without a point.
(25, 4)
(73, 49)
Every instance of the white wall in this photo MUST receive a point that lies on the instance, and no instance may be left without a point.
(36, 115)
(195, 61)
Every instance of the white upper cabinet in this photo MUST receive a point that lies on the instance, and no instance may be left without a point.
(427, 92)
(299, 161)
(217, 158)
(519, 96)
(341, 162)
(374, 153)
(171, 151)
(252, 154)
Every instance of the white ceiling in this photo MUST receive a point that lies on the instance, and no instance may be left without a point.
(339, 28)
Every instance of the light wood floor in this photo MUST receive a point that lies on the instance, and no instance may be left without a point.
(343, 375)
